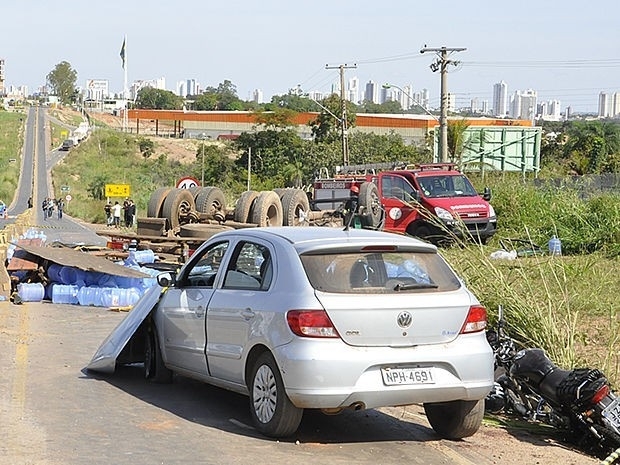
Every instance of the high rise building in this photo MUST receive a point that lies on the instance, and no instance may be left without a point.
(524, 105)
(608, 105)
(353, 92)
(500, 99)
(257, 96)
(371, 93)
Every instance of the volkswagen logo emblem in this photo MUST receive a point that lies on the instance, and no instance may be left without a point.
(404, 319)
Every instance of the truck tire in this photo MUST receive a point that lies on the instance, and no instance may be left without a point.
(267, 210)
(280, 191)
(178, 203)
(370, 205)
(211, 200)
(244, 206)
(156, 201)
(295, 208)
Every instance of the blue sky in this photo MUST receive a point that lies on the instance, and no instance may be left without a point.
(564, 50)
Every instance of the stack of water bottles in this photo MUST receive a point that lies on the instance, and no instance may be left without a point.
(70, 285)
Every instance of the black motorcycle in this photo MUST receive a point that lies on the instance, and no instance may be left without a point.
(580, 402)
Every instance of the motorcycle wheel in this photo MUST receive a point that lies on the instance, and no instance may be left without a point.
(604, 447)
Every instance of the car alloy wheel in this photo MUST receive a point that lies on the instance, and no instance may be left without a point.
(265, 394)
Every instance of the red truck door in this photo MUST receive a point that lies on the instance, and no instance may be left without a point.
(397, 196)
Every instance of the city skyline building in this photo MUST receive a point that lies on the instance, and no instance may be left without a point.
(500, 99)
(608, 105)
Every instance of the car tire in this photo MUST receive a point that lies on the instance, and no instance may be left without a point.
(457, 419)
(244, 206)
(156, 201)
(273, 413)
(154, 368)
(295, 208)
(211, 200)
(267, 210)
(178, 203)
(370, 203)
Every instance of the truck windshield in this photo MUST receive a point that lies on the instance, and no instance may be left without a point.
(446, 186)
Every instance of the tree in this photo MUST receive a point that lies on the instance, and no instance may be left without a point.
(158, 99)
(327, 125)
(292, 101)
(592, 145)
(278, 118)
(62, 81)
(223, 98)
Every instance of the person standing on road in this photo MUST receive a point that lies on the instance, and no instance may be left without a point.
(130, 212)
(116, 214)
(50, 207)
(108, 214)
(60, 205)
(44, 208)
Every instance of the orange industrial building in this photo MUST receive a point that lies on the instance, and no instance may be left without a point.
(228, 124)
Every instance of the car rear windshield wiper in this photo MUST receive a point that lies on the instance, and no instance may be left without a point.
(406, 287)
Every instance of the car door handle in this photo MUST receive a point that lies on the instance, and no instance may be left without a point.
(200, 311)
(247, 314)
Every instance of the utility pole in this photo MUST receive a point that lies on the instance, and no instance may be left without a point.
(441, 64)
(343, 117)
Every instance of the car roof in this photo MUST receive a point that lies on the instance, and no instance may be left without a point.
(306, 239)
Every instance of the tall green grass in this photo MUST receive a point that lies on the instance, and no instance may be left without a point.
(11, 140)
(566, 305)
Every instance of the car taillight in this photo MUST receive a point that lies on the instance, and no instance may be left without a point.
(476, 320)
(311, 323)
(600, 394)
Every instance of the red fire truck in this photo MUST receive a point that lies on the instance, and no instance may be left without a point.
(431, 201)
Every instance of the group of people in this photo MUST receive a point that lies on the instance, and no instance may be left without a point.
(127, 211)
(48, 205)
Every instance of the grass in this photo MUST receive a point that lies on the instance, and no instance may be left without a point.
(11, 141)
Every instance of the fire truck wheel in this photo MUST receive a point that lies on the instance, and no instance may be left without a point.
(267, 210)
(211, 200)
(178, 203)
(370, 205)
(244, 206)
(295, 208)
(156, 202)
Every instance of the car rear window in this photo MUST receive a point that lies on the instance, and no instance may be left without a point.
(379, 272)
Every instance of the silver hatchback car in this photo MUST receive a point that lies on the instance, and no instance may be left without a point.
(315, 318)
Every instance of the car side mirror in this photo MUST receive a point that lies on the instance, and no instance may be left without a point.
(166, 279)
(486, 194)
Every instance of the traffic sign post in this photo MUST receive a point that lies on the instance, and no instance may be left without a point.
(187, 182)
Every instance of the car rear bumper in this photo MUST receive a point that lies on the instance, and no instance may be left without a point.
(331, 374)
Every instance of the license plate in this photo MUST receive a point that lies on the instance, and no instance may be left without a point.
(612, 413)
(396, 376)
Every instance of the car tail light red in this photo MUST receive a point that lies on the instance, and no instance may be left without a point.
(476, 320)
(311, 323)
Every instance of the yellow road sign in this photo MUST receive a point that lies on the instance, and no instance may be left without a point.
(117, 190)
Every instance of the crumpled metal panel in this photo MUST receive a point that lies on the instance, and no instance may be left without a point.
(104, 359)
(82, 260)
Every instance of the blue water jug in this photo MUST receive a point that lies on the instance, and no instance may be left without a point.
(555, 246)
